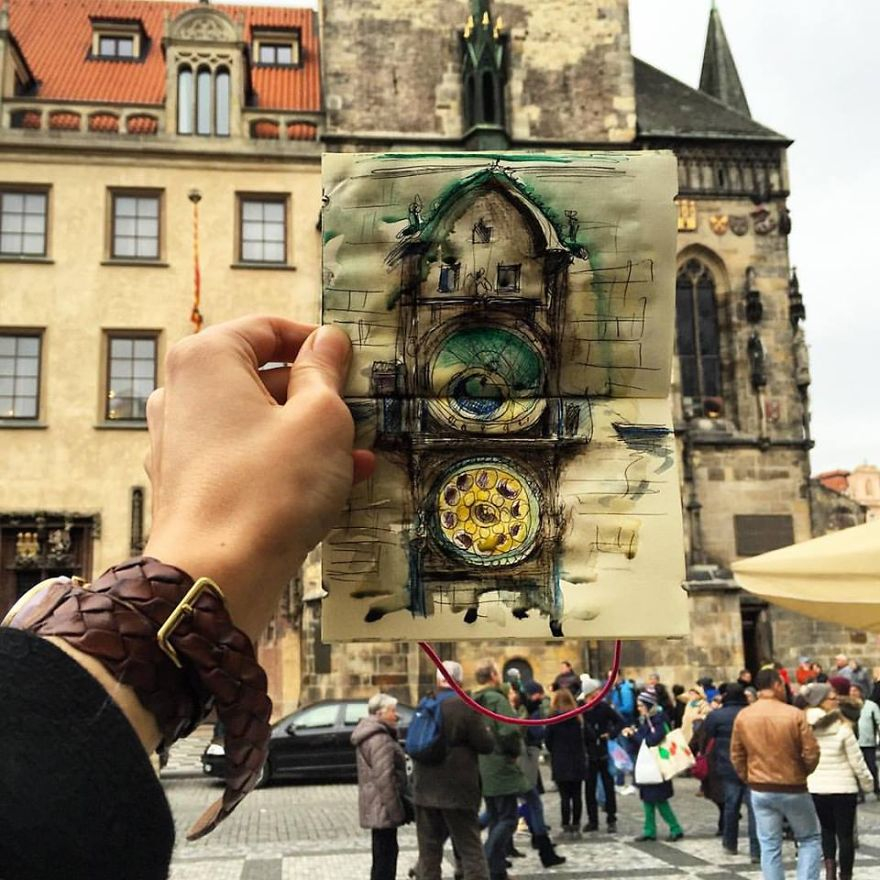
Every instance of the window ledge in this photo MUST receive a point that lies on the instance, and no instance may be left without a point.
(278, 267)
(27, 424)
(122, 425)
(156, 264)
(12, 258)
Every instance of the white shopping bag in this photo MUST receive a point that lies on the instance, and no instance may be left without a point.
(647, 771)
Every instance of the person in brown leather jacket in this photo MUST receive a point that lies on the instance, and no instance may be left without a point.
(773, 750)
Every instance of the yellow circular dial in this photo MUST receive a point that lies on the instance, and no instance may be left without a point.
(488, 512)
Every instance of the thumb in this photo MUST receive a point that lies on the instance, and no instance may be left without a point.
(323, 360)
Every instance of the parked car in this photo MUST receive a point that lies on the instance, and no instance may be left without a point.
(312, 743)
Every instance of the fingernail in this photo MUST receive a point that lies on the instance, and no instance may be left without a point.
(331, 342)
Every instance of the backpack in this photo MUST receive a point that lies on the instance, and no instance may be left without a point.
(425, 742)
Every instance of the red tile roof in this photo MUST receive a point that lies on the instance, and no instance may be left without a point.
(55, 37)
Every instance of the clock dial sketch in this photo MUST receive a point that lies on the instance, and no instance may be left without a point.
(511, 319)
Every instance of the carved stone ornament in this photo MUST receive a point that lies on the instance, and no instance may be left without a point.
(764, 222)
(205, 26)
(718, 223)
(739, 224)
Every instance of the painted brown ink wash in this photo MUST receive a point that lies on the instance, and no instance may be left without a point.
(512, 321)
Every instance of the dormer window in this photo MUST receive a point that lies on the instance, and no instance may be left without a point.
(116, 47)
(117, 39)
(277, 48)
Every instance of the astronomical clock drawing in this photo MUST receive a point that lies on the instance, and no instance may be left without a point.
(484, 368)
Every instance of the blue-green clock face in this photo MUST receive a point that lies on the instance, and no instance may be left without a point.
(487, 379)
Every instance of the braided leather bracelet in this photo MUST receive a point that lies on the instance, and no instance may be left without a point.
(172, 641)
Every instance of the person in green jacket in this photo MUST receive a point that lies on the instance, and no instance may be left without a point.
(501, 776)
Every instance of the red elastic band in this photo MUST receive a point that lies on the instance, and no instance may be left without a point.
(526, 722)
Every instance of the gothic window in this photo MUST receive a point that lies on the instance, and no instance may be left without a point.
(697, 337)
(184, 100)
(488, 97)
(221, 103)
(203, 101)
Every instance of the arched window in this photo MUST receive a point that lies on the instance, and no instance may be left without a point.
(488, 97)
(221, 102)
(184, 101)
(696, 323)
(203, 101)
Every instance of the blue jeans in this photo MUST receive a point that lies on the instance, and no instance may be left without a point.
(735, 792)
(534, 811)
(771, 807)
(502, 810)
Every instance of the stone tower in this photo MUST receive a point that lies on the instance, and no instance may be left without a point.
(559, 74)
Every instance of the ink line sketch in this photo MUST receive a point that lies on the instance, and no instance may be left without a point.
(512, 322)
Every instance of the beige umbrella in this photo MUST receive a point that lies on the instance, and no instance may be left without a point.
(834, 578)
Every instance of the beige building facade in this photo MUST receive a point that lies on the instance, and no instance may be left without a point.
(104, 231)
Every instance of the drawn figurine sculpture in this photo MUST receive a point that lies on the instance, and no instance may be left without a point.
(512, 321)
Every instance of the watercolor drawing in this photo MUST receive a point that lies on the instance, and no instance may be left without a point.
(512, 322)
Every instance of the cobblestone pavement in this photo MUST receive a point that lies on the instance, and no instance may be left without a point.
(310, 832)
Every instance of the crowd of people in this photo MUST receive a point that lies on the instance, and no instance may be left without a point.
(796, 752)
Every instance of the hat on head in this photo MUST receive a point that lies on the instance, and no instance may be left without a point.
(815, 692)
(588, 685)
(841, 684)
(804, 659)
(533, 687)
(648, 698)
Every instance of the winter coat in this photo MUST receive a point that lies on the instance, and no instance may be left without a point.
(694, 712)
(869, 722)
(623, 699)
(772, 747)
(564, 741)
(454, 784)
(842, 768)
(381, 769)
(601, 724)
(719, 726)
(500, 771)
(651, 730)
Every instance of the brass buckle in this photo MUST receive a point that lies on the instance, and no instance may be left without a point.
(184, 606)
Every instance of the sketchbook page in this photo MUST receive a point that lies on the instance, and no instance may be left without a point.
(512, 373)
(600, 542)
(491, 228)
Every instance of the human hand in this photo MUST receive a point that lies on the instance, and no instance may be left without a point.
(250, 468)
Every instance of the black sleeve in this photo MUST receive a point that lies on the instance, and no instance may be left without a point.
(78, 796)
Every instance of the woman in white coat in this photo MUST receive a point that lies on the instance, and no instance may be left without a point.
(836, 781)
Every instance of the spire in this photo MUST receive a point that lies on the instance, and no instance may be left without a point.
(719, 77)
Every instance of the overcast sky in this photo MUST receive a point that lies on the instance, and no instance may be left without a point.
(810, 71)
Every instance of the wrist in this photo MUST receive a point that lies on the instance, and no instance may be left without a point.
(251, 578)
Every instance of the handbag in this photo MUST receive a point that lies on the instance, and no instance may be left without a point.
(619, 757)
(673, 754)
(647, 770)
(700, 770)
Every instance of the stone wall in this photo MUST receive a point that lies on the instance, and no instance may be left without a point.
(378, 53)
